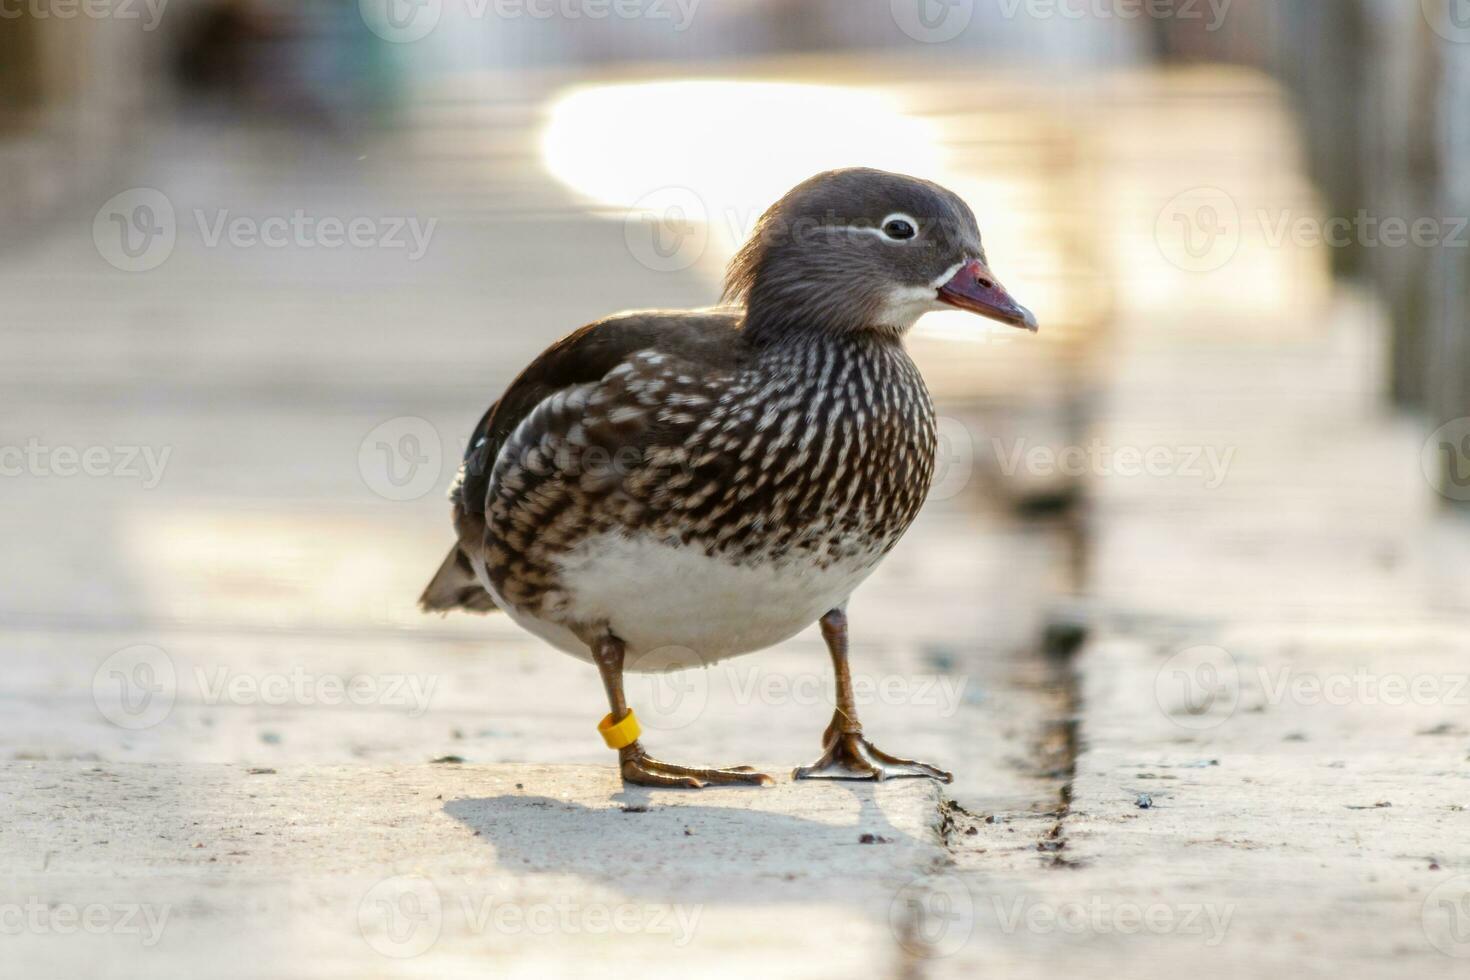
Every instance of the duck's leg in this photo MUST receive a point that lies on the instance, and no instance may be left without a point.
(621, 732)
(848, 755)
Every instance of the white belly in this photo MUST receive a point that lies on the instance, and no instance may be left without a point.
(675, 607)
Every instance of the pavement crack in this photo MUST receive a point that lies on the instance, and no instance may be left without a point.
(1063, 641)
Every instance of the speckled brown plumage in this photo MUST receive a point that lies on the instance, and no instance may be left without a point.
(795, 452)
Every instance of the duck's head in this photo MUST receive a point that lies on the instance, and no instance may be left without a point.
(859, 249)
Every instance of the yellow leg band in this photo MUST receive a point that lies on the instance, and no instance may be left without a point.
(620, 734)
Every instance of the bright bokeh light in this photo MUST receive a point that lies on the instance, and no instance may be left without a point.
(724, 150)
(738, 145)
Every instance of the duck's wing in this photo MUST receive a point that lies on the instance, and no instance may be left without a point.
(583, 358)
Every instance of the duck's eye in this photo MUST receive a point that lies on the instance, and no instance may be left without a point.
(900, 229)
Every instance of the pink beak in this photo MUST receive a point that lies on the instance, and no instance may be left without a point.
(973, 288)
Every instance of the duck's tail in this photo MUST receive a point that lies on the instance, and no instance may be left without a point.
(455, 586)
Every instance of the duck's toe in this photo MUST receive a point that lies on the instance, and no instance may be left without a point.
(644, 770)
(850, 756)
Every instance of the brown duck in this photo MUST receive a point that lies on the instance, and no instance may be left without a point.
(663, 489)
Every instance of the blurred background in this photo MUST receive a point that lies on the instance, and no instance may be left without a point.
(263, 263)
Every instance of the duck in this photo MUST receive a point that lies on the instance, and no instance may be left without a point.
(667, 489)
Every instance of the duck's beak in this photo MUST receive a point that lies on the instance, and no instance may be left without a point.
(973, 288)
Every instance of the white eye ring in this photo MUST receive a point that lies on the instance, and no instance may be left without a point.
(911, 221)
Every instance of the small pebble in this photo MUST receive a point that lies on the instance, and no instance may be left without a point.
(874, 839)
(1145, 802)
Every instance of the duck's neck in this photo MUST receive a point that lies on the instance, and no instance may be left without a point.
(779, 335)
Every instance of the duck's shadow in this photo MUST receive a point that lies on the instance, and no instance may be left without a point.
(656, 845)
